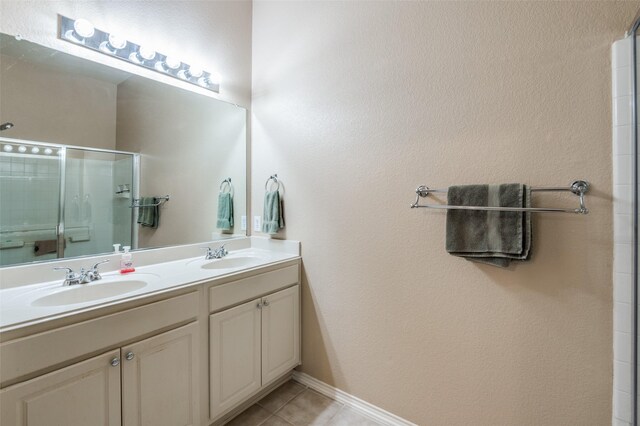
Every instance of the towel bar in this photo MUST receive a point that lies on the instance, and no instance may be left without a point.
(136, 202)
(578, 188)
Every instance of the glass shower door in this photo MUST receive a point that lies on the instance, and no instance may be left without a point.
(98, 188)
(29, 202)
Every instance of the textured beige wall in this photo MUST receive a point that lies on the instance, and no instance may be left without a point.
(50, 106)
(188, 144)
(354, 105)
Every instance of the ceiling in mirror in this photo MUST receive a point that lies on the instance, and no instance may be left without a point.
(110, 145)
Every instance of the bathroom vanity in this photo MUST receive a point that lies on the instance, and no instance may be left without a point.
(189, 342)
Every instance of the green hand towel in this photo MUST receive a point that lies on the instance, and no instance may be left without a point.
(225, 211)
(148, 215)
(272, 218)
(492, 237)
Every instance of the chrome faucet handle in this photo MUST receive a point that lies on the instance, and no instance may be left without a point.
(93, 274)
(209, 254)
(94, 267)
(220, 252)
(71, 277)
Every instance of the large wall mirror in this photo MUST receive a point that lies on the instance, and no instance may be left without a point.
(93, 156)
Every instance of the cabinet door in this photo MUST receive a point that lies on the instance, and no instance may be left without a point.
(83, 394)
(234, 356)
(280, 333)
(160, 380)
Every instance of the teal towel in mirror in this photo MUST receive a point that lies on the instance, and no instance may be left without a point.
(493, 237)
(272, 219)
(225, 211)
(148, 215)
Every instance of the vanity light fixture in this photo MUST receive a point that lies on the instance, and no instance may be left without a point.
(48, 151)
(7, 148)
(83, 33)
(35, 150)
(22, 149)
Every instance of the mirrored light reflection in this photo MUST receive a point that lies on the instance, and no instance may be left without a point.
(22, 149)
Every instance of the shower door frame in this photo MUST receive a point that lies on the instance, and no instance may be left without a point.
(60, 227)
(632, 34)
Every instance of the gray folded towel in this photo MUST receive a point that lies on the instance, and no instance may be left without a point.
(225, 211)
(272, 218)
(149, 215)
(493, 237)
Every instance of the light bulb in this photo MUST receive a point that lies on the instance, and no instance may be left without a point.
(169, 64)
(8, 148)
(35, 150)
(48, 151)
(209, 80)
(146, 53)
(214, 79)
(193, 71)
(82, 29)
(172, 62)
(22, 148)
(142, 54)
(113, 44)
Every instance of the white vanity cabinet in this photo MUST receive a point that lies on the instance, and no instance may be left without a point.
(280, 333)
(152, 381)
(190, 357)
(253, 343)
(160, 379)
(83, 394)
(157, 377)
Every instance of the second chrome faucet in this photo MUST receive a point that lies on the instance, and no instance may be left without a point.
(217, 253)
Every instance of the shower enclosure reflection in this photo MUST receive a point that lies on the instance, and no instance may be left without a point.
(58, 201)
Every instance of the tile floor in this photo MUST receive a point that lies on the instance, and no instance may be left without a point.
(295, 404)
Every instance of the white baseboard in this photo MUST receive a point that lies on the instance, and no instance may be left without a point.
(368, 410)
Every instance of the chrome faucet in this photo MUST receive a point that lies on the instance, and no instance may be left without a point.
(82, 277)
(217, 253)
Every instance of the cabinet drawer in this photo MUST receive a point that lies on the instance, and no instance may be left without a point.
(25, 356)
(239, 291)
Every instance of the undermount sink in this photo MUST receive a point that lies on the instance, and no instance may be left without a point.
(102, 289)
(231, 262)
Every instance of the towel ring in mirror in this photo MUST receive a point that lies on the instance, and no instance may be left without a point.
(228, 187)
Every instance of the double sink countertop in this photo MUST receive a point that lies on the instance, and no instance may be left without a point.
(34, 293)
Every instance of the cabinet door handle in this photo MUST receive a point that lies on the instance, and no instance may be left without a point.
(129, 356)
(266, 302)
(115, 362)
(259, 305)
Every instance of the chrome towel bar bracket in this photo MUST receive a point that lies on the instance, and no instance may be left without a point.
(161, 200)
(578, 188)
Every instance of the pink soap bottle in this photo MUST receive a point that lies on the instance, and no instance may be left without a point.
(126, 262)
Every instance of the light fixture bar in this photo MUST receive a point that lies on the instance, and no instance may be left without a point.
(83, 33)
